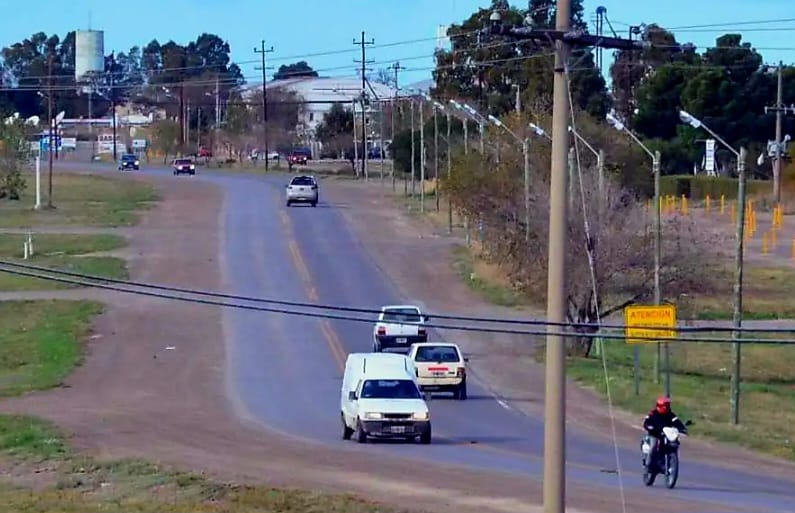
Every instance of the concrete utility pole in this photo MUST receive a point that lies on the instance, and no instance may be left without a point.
(364, 62)
(555, 385)
(381, 138)
(655, 162)
(396, 68)
(780, 110)
(737, 315)
(262, 51)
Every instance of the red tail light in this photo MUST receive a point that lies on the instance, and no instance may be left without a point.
(381, 331)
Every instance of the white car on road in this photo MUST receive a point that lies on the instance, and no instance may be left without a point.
(440, 366)
(380, 398)
(399, 326)
(302, 189)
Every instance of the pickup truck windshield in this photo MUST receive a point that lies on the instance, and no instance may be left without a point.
(443, 354)
(390, 389)
(402, 315)
(183, 162)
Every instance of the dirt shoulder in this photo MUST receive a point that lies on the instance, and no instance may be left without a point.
(416, 255)
(152, 387)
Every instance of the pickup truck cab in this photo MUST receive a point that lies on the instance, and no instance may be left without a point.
(380, 398)
(399, 326)
(440, 366)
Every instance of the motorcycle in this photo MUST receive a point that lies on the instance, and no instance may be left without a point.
(667, 457)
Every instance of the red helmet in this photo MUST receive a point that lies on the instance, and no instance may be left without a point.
(663, 404)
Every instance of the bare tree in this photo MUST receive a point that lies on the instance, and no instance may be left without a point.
(619, 238)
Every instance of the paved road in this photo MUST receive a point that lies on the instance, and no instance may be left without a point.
(285, 371)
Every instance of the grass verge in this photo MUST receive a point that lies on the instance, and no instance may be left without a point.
(700, 372)
(485, 279)
(41, 344)
(767, 294)
(700, 386)
(61, 251)
(88, 200)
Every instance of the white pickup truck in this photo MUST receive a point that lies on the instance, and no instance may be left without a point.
(399, 326)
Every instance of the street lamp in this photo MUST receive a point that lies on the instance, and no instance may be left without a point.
(525, 142)
(737, 317)
(619, 125)
(600, 161)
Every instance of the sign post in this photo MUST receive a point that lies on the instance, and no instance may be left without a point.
(646, 324)
(38, 182)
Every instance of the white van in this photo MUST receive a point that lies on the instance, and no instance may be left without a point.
(380, 398)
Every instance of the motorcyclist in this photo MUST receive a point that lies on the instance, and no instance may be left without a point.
(659, 417)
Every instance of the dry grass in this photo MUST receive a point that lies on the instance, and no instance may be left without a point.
(767, 294)
(87, 486)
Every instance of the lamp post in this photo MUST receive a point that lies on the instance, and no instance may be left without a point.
(613, 121)
(525, 142)
(737, 317)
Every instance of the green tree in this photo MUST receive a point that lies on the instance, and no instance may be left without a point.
(165, 137)
(336, 130)
(296, 70)
(486, 69)
(14, 153)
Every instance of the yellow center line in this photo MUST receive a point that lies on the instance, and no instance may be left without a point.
(339, 353)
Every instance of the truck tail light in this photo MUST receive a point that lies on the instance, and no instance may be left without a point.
(381, 331)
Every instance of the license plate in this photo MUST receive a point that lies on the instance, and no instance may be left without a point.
(398, 429)
(401, 340)
(438, 374)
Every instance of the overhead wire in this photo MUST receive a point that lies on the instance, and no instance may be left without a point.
(101, 281)
(589, 249)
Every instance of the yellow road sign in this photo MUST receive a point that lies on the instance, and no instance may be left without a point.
(639, 318)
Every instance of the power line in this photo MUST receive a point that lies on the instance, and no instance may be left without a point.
(86, 278)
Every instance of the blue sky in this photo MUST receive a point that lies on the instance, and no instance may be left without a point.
(299, 28)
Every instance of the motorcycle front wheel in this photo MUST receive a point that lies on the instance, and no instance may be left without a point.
(671, 470)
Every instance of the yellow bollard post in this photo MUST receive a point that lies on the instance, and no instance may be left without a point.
(734, 213)
(683, 205)
(764, 244)
(722, 204)
(706, 204)
(792, 250)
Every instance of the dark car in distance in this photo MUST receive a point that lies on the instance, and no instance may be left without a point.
(128, 161)
(185, 166)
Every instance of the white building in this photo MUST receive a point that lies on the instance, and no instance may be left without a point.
(321, 93)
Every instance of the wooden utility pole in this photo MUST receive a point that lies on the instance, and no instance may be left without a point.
(364, 62)
(262, 51)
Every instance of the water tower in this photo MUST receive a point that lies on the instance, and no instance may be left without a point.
(89, 67)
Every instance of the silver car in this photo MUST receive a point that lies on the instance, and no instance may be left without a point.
(302, 189)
